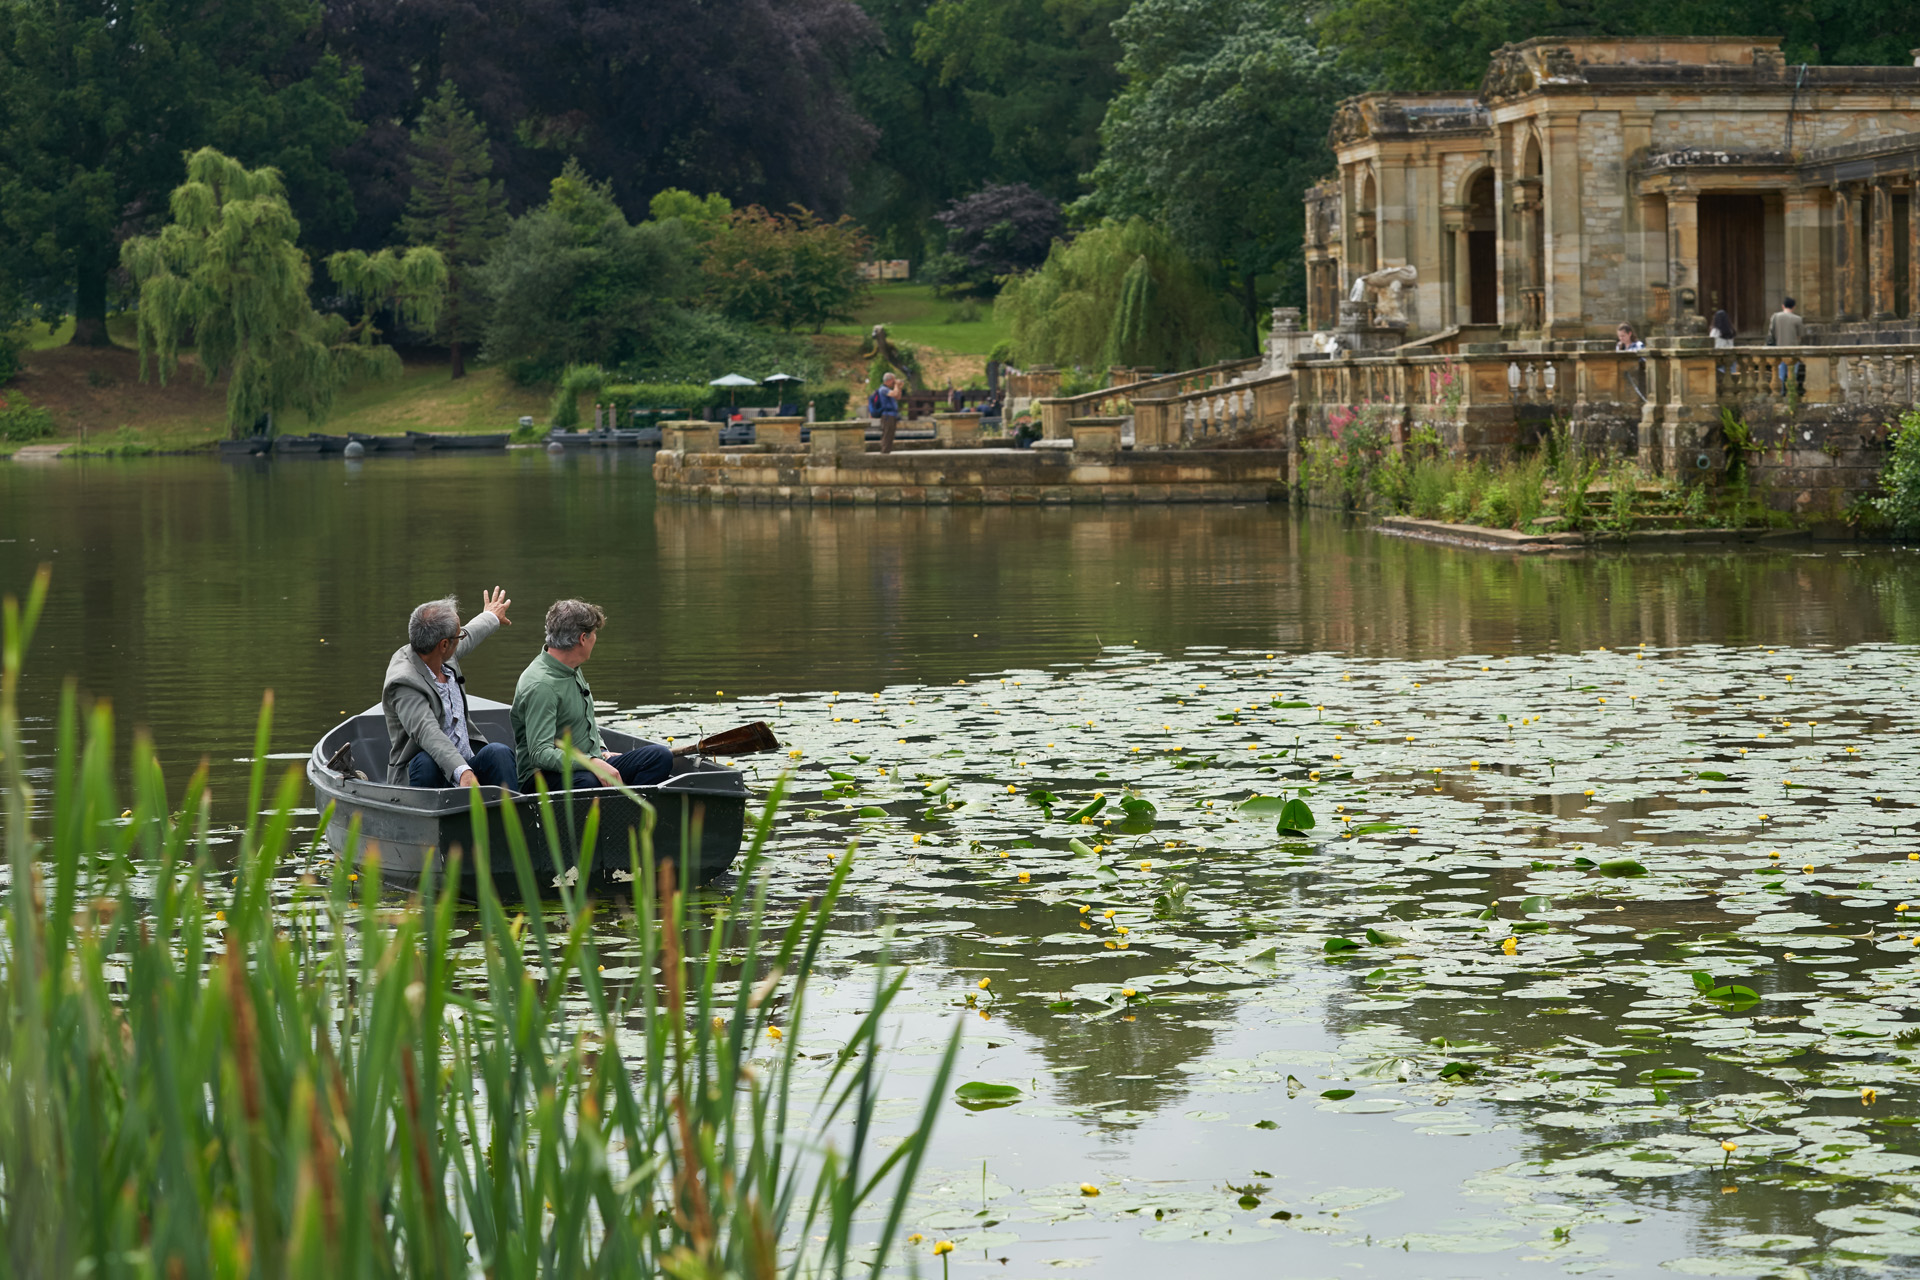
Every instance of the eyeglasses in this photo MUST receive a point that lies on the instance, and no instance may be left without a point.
(463, 635)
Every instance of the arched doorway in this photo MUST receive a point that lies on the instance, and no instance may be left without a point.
(1483, 252)
(1367, 258)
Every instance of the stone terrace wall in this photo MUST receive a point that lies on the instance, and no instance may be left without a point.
(1820, 446)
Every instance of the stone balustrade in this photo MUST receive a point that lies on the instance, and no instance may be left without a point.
(1254, 411)
(1819, 430)
(1117, 401)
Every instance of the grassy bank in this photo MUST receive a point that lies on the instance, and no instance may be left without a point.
(100, 404)
(263, 1067)
(1553, 488)
(913, 314)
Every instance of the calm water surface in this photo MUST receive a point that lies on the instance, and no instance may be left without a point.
(1507, 1113)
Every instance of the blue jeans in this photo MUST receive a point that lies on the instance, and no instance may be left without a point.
(492, 764)
(646, 764)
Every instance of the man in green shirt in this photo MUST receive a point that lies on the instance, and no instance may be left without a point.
(552, 702)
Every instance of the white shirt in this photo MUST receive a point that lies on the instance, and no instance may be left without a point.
(451, 715)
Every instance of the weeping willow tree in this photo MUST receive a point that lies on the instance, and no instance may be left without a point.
(227, 275)
(1122, 293)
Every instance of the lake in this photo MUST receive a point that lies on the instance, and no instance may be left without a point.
(1498, 1012)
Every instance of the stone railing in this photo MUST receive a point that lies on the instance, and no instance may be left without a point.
(1117, 402)
(1819, 431)
(1243, 413)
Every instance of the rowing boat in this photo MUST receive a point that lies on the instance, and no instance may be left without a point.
(700, 814)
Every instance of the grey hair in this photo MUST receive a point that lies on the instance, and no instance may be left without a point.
(432, 622)
(568, 620)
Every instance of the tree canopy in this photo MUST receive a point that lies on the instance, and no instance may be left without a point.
(227, 272)
(994, 233)
(1122, 293)
(456, 208)
(743, 97)
(99, 101)
(574, 283)
(1221, 126)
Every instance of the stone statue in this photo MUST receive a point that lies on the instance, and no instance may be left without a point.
(1387, 290)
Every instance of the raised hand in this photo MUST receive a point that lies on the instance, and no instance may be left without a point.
(496, 603)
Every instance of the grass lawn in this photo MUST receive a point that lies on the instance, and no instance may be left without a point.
(98, 400)
(913, 314)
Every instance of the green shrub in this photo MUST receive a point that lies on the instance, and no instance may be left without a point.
(563, 411)
(12, 343)
(21, 422)
(1429, 481)
(1899, 505)
(1495, 508)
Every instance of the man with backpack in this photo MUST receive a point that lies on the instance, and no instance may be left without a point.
(884, 406)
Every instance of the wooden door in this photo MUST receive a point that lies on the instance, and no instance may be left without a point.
(1733, 259)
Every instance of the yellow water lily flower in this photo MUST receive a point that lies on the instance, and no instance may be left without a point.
(915, 1238)
(944, 1246)
(1511, 946)
(1088, 1189)
(1868, 1096)
(985, 983)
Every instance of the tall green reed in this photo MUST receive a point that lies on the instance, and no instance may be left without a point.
(206, 1072)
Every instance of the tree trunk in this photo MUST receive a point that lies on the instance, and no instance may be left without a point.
(1252, 305)
(90, 303)
(458, 361)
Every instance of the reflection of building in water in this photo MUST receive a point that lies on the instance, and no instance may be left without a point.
(1652, 181)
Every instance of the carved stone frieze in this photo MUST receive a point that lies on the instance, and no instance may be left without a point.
(1349, 124)
(1508, 75)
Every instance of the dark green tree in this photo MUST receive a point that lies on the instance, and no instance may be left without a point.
(1037, 73)
(1221, 126)
(100, 98)
(1443, 44)
(931, 146)
(573, 283)
(456, 208)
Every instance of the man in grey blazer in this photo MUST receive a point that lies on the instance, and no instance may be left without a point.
(432, 741)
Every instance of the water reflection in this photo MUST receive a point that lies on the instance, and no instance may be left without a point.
(183, 589)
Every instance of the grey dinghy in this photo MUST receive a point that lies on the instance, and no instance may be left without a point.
(701, 808)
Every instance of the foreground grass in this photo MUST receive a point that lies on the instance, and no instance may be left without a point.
(197, 1079)
(913, 314)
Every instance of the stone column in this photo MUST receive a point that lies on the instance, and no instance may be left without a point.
(1533, 267)
(1683, 259)
(1455, 220)
(1880, 253)
(1846, 252)
(1803, 254)
(1563, 230)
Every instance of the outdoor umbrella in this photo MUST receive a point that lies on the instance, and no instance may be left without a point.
(780, 381)
(732, 381)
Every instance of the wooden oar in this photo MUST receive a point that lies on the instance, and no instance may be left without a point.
(747, 740)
